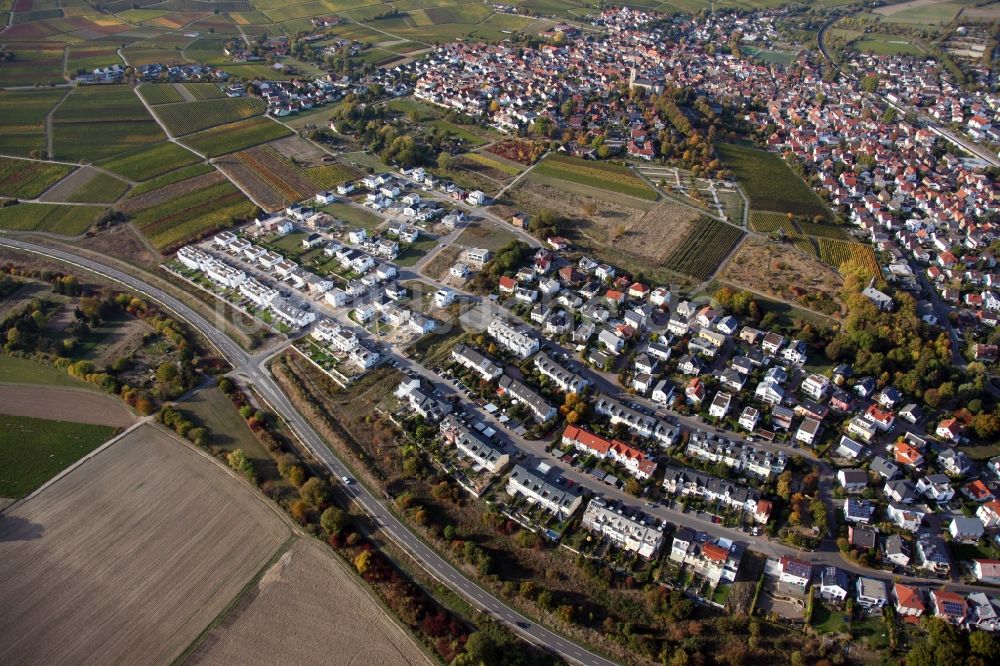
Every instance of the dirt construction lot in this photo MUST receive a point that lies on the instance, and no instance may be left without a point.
(64, 404)
(307, 605)
(130, 556)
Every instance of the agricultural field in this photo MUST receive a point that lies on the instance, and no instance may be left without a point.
(101, 188)
(305, 588)
(836, 252)
(329, 176)
(22, 119)
(823, 230)
(191, 117)
(769, 183)
(87, 57)
(34, 450)
(36, 63)
(920, 12)
(597, 175)
(792, 276)
(53, 218)
(24, 179)
(271, 180)
(766, 223)
(704, 249)
(150, 161)
(160, 93)
(882, 44)
(168, 567)
(17, 370)
(101, 121)
(170, 178)
(204, 90)
(71, 405)
(189, 209)
(236, 136)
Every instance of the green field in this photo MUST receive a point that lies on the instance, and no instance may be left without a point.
(32, 451)
(100, 121)
(170, 178)
(35, 63)
(16, 370)
(66, 220)
(102, 188)
(236, 136)
(192, 117)
(159, 93)
(358, 217)
(765, 223)
(88, 104)
(88, 57)
(193, 215)
(331, 175)
(769, 182)
(24, 179)
(150, 161)
(599, 175)
(22, 119)
(879, 44)
(704, 249)
(205, 90)
(927, 15)
(823, 230)
(211, 409)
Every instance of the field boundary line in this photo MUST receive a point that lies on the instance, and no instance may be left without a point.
(100, 449)
(240, 596)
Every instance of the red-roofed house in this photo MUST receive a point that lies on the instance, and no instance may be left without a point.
(949, 606)
(986, 571)
(616, 296)
(881, 418)
(715, 553)
(762, 513)
(989, 513)
(907, 454)
(638, 290)
(948, 429)
(907, 600)
(977, 491)
(507, 284)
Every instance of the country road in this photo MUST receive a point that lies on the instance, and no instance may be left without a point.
(253, 367)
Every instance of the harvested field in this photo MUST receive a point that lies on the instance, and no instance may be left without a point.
(175, 541)
(792, 276)
(64, 404)
(305, 588)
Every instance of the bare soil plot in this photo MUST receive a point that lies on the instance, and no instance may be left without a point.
(287, 617)
(64, 404)
(298, 149)
(125, 339)
(792, 276)
(130, 556)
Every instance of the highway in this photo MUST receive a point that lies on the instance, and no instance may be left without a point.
(254, 369)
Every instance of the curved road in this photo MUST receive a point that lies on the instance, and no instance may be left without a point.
(253, 367)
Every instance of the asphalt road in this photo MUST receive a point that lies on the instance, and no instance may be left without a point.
(253, 368)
